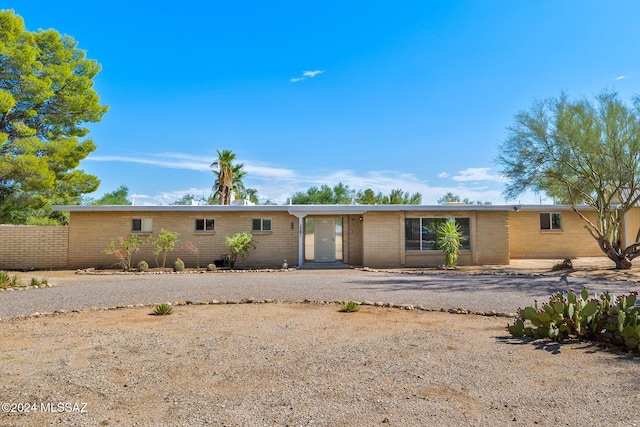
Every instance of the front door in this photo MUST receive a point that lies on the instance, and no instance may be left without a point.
(325, 240)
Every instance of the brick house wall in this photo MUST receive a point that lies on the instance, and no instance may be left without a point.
(381, 239)
(91, 232)
(491, 238)
(489, 235)
(528, 241)
(27, 247)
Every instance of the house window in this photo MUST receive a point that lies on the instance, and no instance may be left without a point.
(261, 224)
(421, 234)
(550, 221)
(205, 224)
(141, 225)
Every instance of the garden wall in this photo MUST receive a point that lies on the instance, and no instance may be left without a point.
(28, 247)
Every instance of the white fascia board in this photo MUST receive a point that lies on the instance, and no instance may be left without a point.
(304, 210)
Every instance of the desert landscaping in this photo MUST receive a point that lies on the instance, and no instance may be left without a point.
(303, 363)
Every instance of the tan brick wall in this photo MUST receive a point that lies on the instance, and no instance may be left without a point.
(528, 241)
(91, 232)
(26, 247)
(631, 226)
(491, 237)
(382, 232)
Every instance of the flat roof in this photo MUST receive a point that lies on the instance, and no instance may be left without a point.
(317, 209)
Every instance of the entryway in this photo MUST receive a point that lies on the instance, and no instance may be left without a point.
(323, 239)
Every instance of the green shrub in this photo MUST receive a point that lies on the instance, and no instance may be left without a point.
(7, 281)
(178, 265)
(123, 250)
(162, 309)
(564, 265)
(449, 241)
(605, 318)
(211, 267)
(165, 243)
(238, 244)
(142, 266)
(350, 307)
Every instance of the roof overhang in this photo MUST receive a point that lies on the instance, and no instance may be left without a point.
(305, 210)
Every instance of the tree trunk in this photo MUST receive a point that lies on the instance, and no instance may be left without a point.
(614, 253)
(622, 262)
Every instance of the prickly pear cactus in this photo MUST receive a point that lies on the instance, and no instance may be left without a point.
(615, 320)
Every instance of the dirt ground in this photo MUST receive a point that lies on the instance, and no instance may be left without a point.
(307, 364)
(301, 364)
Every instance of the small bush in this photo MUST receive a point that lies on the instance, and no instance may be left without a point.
(142, 266)
(450, 241)
(350, 306)
(165, 243)
(564, 265)
(238, 244)
(162, 309)
(178, 265)
(124, 250)
(211, 267)
(7, 281)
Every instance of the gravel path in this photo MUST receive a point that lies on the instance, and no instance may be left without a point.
(302, 364)
(477, 292)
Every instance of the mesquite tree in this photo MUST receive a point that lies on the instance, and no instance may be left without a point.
(581, 153)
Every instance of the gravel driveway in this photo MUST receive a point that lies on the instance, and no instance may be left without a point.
(478, 292)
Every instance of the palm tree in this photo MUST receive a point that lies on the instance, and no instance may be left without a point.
(228, 176)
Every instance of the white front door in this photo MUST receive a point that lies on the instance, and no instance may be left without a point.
(325, 237)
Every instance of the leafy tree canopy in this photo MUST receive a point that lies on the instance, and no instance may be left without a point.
(46, 94)
(188, 199)
(341, 194)
(119, 196)
(580, 152)
(452, 198)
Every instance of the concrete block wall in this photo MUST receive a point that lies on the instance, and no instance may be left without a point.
(26, 247)
(528, 241)
(383, 239)
(490, 238)
(489, 235)
(631, 227)
(91, 232)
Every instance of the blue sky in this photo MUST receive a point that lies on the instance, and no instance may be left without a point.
(375, 94)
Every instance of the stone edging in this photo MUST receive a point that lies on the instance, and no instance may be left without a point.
(409, 307)
(27, 287)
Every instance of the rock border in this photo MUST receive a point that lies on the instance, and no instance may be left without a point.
(249, 300)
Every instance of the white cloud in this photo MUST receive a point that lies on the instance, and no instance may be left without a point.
(277, 184)
(168, 160)
(476, 174)
(621, 77)
(305, 74)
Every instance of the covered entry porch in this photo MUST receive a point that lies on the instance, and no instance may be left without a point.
(329, 240)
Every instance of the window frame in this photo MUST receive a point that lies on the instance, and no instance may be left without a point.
(146, 225)
(262, 228)
(205, 222)
(436, 221)
(553, 226)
